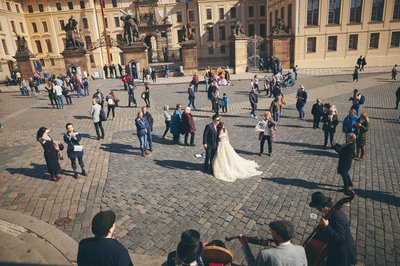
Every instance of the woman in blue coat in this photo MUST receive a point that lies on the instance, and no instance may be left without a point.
(74, 149)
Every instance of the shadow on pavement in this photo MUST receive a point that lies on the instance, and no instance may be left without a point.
(175, 164)
(38, 171)
(120, 148)
(80, 117)
(300, 183)
(318, 153)
(381, 196)
(300, 144)
(246, 152)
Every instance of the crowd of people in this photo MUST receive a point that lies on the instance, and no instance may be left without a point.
(225, 164)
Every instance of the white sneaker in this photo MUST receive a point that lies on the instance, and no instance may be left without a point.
(255, 117)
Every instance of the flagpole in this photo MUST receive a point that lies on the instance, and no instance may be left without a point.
(105, 32)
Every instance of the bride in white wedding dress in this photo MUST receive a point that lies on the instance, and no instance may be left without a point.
(227, 164)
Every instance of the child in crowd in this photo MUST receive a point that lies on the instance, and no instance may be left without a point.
(225, 105)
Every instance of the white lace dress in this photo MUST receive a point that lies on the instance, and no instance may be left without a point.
(228, 165)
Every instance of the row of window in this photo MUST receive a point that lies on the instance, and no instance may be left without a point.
(16, 7)
(356, 8)
(233, 14)
(353, 42)
(82, 5)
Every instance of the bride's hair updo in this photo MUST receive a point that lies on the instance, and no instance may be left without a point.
(220, 128)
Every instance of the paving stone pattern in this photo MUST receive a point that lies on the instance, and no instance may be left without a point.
(158, 197)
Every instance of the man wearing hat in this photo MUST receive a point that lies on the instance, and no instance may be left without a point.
(284, 254)
(188, 251)
(335, 231)
(102, 249)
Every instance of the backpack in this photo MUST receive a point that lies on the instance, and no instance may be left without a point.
(362, 100)
(110, 101)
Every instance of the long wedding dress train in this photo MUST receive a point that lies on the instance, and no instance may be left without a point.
(228, 165)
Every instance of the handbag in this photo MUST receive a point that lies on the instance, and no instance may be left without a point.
(283, 101)
(102, 115)
(78, 148)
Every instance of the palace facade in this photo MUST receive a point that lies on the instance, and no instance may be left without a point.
(328, 33)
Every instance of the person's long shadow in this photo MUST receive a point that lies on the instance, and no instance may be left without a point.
(245, 126)
(80, 117)
(300, 183)
(246, 152)
(157, 139)
(175, 164)
(38, 171)
(299, 144)
(119, 148)
(381, 196)
(319, 153)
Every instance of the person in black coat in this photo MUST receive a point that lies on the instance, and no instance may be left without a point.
(150, 120)
(329, 123)
(51, 153)
(335, 231)
(316, 111)
(346, 157)
(103, 250)
(74, 149)
(210, 137)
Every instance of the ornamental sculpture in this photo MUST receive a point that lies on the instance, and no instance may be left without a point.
(237, 29)
(280, 26)
(21, 44)
(73, 40)
(131, 29)
(188, 33)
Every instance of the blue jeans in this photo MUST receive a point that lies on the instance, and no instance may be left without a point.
(191, 103)
(276, 116)
(79, 92)
(86, 90)
(300, 109)
(60, 102)
(206, 85)
(143, 143)
(126, 86)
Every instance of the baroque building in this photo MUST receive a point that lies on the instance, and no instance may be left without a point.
(324, 33)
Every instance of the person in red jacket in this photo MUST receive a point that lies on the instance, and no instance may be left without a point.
(188, 126)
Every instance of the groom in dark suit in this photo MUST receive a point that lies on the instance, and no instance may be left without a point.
(210, 138)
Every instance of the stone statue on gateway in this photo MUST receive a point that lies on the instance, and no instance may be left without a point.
(131, 29)
(72, 41)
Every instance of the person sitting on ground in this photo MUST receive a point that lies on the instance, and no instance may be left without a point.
(284, 254)
(102, 249)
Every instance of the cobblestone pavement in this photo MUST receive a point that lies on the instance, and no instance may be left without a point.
(158, 197)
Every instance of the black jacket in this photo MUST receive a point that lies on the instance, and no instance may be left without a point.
(150, 119)
(253, 98)
(341, 247)
(329, 124)
(346, 156)
(102, 252)
(317, 109)
(210, 136)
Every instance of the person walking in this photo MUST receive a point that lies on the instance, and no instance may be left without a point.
(51, 94)
(355, 74)
(74, 149)
(32, 85)
(359, 61)
(394, 72)
(176, 123)
(111, 103)
(131, 95)
(149, 131)
(361, 131)
(59, 94)
(52, 152)
(188, 127)
(363, 63)
(95, 114)
(355, 99)
(103, 249)
(397, 98)
(66, 93)
(146, 95)
(255, 84)
(191, 96)
(295, 71)
(301, 102)
(317, 111)
(346, 156)
(154, 75)
(142, 127)
(226, 102)
(167, 119)
(85, 84)
(105, 70)
(253, 102)
(329, 123)
(120, 70)
(266, 129)
(195, 82)
(275, 109)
